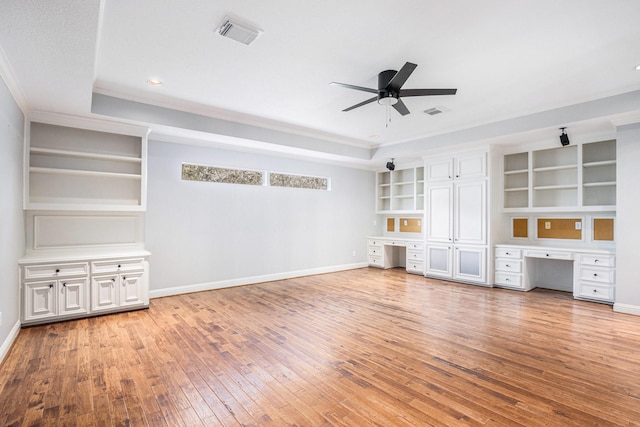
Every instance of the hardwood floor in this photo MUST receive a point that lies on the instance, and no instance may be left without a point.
(358, 348)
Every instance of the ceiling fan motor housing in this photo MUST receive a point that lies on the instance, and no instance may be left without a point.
(386, 97)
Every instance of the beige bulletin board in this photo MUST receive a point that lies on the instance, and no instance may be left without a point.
(560, 228)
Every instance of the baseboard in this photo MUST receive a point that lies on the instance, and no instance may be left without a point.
(6, 345)
(158, 293)
(627, 308)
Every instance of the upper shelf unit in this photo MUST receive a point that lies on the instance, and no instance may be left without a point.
(571, 178)
(69, 168)
(401, 190)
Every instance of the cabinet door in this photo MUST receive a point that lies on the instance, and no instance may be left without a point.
(440, 218)
(104, 293)
(73, 296)
(470, 212)
(439, 260)
(470, 264)
(440, 169)
(39, 300)
(131, 289)
(470, 166)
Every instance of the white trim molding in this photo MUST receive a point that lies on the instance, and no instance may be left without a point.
(208, 286)
(6, 345)
(627, 308)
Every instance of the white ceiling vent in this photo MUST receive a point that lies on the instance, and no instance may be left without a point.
(238, 32)
(434, 111)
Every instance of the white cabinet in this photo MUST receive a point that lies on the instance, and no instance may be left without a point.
(401, 190)
(595, 277)
(510, 268)
(464, 166)
(415, 257)
(457, 218)
(51, 291)
(70, 168)
(389, 252)
(54, 291)
(457, 262)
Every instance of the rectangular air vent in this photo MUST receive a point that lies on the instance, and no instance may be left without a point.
(238, 32)
(433, 111)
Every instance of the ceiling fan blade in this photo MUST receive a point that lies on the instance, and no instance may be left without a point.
(368, 101)
(401, 76)
(427, 92)
(401, 108)
(365, 89)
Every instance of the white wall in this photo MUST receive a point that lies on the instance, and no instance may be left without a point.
(628, 215)
(12, 238)
(206, 235)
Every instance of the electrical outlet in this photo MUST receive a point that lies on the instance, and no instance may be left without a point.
(578, 225)
(547, 225)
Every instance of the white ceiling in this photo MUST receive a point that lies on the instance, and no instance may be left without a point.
(507, 58)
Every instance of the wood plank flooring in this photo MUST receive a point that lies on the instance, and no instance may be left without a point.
(364, 347)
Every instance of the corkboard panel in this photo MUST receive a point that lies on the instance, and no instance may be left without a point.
(410, 225)
(561, 228)
(603, 229)
(521, 227)
(391, 225)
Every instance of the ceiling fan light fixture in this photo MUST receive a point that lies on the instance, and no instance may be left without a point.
(387, 99)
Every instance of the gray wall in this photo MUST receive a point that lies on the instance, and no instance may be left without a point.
(627, 217)
(12, 234)
(208, 233)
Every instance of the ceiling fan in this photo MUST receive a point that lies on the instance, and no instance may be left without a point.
(390, 89)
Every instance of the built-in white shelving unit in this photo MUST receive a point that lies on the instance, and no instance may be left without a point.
(571, 178)
(70, 168)
(401, 190)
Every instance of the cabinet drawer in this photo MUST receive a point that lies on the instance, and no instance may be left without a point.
(598, 260)
(375, 250)
(375, 261)
(413, 256)
(56, 270)
(113, 266)
(509, 265)
(594, 274)
(415, 246)
(415, 267)
(549, 254)
(508, 279)
(374, 242)
(596, 291)
(508, 253)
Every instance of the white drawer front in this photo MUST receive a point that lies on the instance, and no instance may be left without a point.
(113, 266)
(415, 246)
(595, 291)
(374, 242)
(594, 274)
(375, 261)
(395, 242)
(509, 265)
(55, 270)
(375, 250)
(508, 253)
(508, 279)
(598, 260)
(415, 267)
(549, 254)
(415, 256)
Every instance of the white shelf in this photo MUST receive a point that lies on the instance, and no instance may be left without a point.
(555, 168)
(83, 155)
(410, 196)
(400, 191)
(556, 187)
(595, 164)
(514, 172)
(54, 171)
(600, 184)
(404, 183)
(516, 189)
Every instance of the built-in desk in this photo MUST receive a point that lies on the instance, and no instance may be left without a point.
(587, 273)
(389, 252)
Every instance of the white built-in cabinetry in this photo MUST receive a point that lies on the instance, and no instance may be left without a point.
(84, 197)
(571, 178)
(456, 217)
(400, 190)
(389, 252)
(60, 289)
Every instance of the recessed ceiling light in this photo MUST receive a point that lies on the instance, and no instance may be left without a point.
(155, 82)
